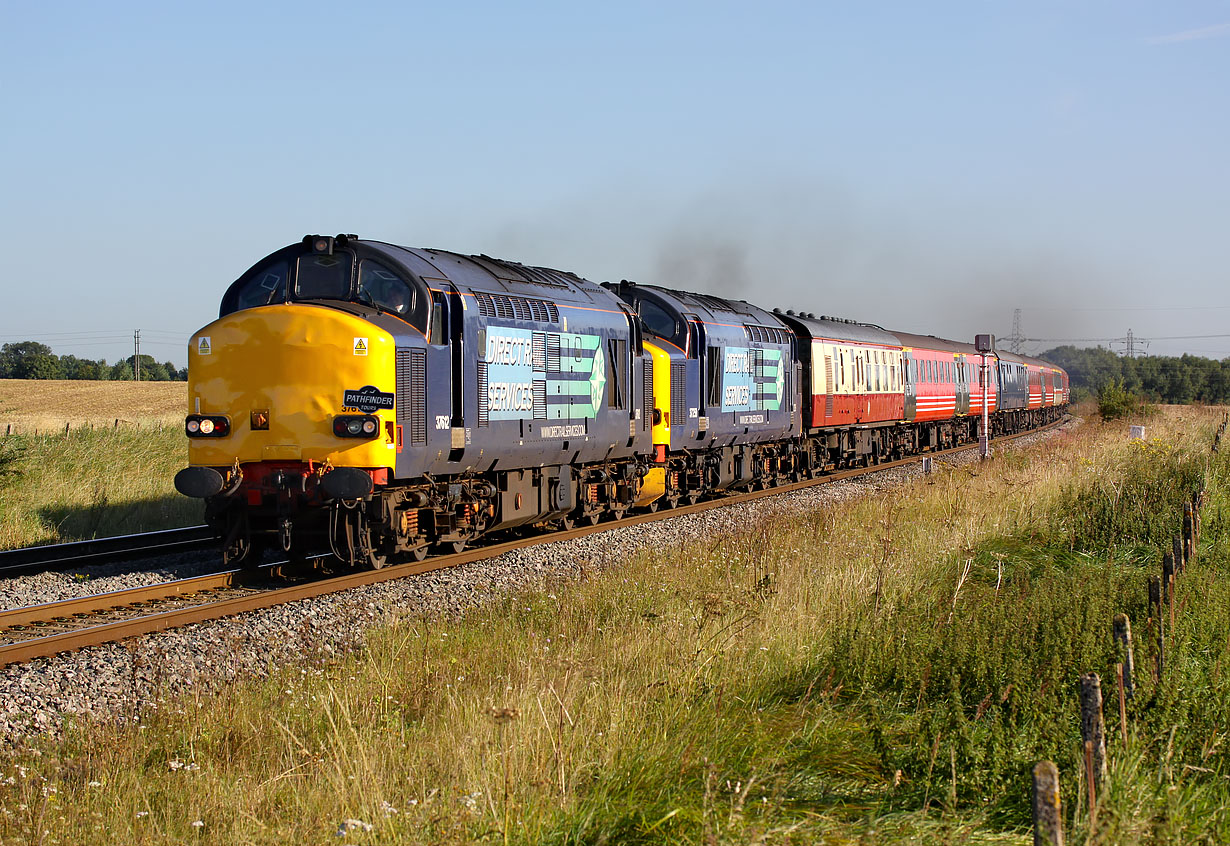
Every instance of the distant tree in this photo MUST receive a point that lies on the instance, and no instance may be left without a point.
(26, 359)
(84, 368)
(151, 370)
(121, 371)
(1172, 379)
(41, 367)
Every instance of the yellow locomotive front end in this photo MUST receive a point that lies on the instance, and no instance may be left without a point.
(289, 404)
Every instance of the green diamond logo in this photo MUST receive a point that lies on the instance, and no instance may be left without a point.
(597, 380)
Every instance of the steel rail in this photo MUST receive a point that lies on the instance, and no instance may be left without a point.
(102, 550)
(208, 610)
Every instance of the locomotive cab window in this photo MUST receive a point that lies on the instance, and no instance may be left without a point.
(265, 286)
(379, 285)
(662, 323)
(322, 277)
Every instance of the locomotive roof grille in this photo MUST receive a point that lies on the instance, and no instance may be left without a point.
(516, 308)
(713, 303)
(533, 275)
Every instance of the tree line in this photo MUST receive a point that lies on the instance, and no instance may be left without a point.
(32, 360)
(1167, 379)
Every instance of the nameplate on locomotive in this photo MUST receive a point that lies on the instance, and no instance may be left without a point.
(367, 399)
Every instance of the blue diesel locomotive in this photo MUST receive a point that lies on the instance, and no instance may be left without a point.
(381, 400)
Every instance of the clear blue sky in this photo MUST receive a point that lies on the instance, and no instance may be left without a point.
(929, 167)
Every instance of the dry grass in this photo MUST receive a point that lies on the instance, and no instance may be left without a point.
(45, 405)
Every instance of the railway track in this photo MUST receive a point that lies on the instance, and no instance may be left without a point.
(44, 630)
(16, 562)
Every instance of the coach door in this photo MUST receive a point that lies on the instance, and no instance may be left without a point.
(962, 375)
(911, 377)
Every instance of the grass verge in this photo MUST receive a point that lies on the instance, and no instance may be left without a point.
(886, 670)
(91, 483)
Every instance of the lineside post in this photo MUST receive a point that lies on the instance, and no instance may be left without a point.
(985, 344)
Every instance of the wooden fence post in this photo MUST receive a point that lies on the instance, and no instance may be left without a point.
(1189, 531)
(1123, 641)
(1048, 822)
(1168, 565)
(1155, 602)
(1122, 703)
(1093, 729)
(1177, 543)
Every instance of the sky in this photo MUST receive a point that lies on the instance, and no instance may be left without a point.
(926, 167)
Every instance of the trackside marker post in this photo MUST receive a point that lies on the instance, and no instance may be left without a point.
(985, 344)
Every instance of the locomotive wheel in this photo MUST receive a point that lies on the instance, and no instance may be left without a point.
(453, 547)
(375, 560)
(416, 554)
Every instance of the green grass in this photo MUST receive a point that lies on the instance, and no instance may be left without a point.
(887, 670)
(91, 483)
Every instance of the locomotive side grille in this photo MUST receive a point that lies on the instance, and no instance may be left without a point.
(508, 307)
(418, 396)
(679, 406)
(647, 410)
(553, 353)
(411, 375)
(758, 369)
(766, 334)
(539, 351)
(482, 394)
(540, 399)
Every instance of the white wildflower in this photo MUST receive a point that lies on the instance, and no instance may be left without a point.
(349, 825)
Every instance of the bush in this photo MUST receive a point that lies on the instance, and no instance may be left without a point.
(1115, 402)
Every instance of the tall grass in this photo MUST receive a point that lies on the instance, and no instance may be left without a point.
(884, 670)
(91, 483)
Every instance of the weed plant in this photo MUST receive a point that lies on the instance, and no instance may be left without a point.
(882, 670)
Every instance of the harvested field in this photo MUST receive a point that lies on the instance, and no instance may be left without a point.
(30, 405)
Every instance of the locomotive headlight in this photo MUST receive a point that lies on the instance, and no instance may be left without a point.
(201, 426)
(365, 426)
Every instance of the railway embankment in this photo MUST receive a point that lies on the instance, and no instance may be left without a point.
(881, 659)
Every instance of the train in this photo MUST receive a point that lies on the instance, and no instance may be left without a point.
(384, 402)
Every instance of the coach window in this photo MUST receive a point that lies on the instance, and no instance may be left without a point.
(380, 286)
(265, 287)
(321, 277)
